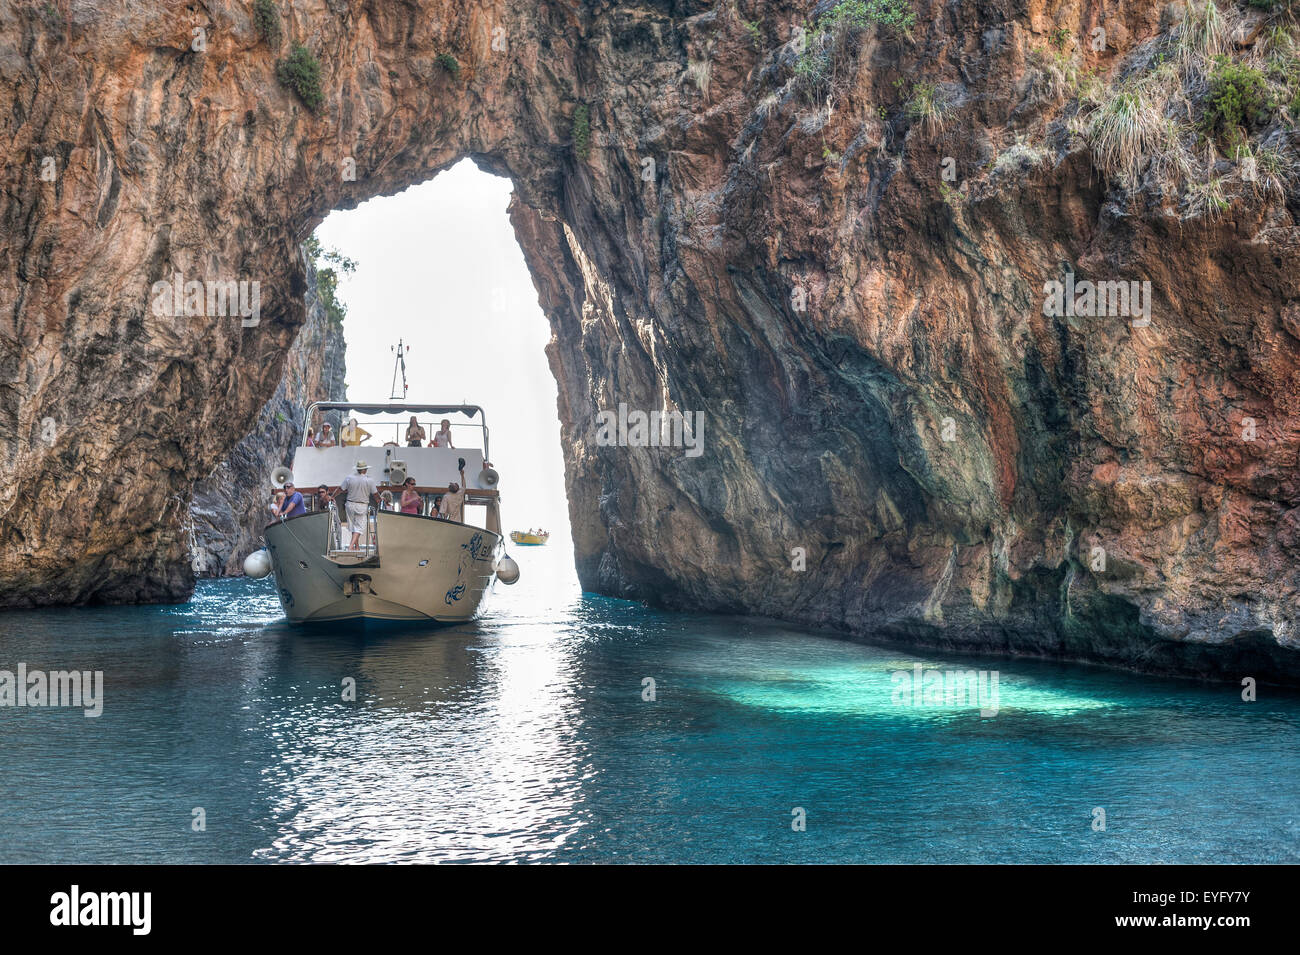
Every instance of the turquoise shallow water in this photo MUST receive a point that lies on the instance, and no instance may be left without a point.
(525, 737)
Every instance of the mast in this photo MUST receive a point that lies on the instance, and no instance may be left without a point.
(399, 365)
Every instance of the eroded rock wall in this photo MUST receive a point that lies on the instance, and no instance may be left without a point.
(882, 391)
(229, 507)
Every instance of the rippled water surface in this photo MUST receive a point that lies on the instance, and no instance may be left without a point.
(525, 737)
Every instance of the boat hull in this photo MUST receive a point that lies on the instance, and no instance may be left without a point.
(426, 571)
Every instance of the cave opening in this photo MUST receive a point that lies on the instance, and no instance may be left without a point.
(438, 267)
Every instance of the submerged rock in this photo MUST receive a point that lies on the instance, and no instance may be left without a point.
(850, 280)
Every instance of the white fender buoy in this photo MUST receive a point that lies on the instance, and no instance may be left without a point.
(257, 564)
(507, 570)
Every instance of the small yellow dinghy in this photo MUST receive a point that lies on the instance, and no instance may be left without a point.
(529, 539)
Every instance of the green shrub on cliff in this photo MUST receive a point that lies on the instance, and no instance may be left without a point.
(582, 131)
(329, 264)
(1239, 98)
(448, 63)
(300, 72)
(266, 18)
(897, 14)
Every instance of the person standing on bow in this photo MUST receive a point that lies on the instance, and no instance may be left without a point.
(359, 491)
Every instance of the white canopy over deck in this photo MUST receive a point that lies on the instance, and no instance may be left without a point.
(390, 460)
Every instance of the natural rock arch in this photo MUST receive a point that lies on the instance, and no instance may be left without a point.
(883, 393)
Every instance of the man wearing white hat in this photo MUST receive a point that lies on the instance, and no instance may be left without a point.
(359, 490)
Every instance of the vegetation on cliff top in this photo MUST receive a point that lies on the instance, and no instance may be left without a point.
(825, 65)
(1185, 97)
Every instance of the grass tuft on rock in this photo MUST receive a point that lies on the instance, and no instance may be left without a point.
(928, 108)
(1202, 36)
(1123, 132)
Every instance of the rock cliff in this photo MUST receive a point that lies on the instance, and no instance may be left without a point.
(830, 230)
(229, 507)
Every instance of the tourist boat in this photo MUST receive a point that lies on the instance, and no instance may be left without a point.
(410, 567)
(529, 540)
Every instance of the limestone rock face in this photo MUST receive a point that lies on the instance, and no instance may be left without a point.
(229, 508)
(896, 438)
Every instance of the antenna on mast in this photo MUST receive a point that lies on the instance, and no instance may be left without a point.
(399, 364)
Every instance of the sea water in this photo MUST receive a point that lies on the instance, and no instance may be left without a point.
(568, 727)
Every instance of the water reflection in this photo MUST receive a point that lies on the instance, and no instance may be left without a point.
(460, 743)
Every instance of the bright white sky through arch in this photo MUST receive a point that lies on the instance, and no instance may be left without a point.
(428, 260)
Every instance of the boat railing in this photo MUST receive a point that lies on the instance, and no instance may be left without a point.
(339, 535)
(335, 539)
(339, 412)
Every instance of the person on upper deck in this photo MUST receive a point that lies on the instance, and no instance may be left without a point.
(415, 434)
(443, 438)
(326, 437)
(352, 434)
(452, 505)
